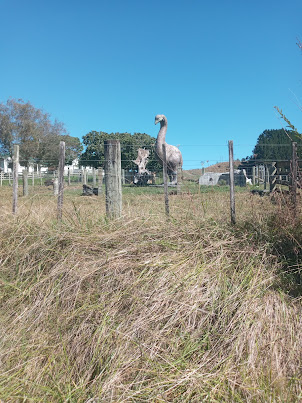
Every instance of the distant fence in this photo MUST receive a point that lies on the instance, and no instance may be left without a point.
(78, 176)
(269, 173)
(272, 173)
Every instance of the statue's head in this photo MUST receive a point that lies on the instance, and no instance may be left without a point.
(159, 118)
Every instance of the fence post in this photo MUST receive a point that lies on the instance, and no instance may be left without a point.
(84, 177)
(1, 178)
(55, 187)
(113, 182)
(93, 177)
(15, 178)
(272, 177)
(253, 175)
(9, 179)
(61, 179)
(39, 173)
(100, 181)
(232, 188)
(165, 175)
(33, 177)
(294, 172)
(266, 177)
(68, 176)
(25, 182)
(179, 179)
(123, 177)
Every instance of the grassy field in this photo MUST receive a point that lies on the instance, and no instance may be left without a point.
(142, 309)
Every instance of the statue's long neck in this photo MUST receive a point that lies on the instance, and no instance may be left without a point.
(161, 137)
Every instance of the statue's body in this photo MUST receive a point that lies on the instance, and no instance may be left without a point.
(173, 154)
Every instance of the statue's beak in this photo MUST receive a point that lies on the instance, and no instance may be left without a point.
(156, 121)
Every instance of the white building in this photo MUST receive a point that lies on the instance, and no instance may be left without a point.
(6, 167)
(219, 178)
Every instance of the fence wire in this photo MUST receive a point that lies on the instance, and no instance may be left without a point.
(132, 179)
(194, 168)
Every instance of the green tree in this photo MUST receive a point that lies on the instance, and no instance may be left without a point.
(276, 145)
(49, 155)
(94, 151)
(21, 123)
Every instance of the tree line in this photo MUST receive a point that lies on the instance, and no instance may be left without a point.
(130, 143)
(276, 145)
(39, 136)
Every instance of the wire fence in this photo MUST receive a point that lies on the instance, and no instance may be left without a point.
(194, 154)
(262, 173)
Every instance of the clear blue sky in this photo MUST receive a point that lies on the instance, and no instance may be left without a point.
(214, 68)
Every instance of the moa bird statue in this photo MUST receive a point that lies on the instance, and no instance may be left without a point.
(173, 154)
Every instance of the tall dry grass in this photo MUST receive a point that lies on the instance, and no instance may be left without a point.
(145, 310)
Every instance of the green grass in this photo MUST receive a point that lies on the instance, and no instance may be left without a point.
(148, 310)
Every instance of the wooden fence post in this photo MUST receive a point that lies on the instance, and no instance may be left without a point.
(272, 177)
(254, 175)
(165, 175)
(61, 179)
(1, 178)
(123, 177)
(39, 173)
(179, 179)
(93, 177)
(84, 176)
(294, 174)
(33, 177)
(232, 187)
(113, 181)
(15, 178)
(266, 177)
(55, 187)
(25, 182)
(100, 181)
(68, 176)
